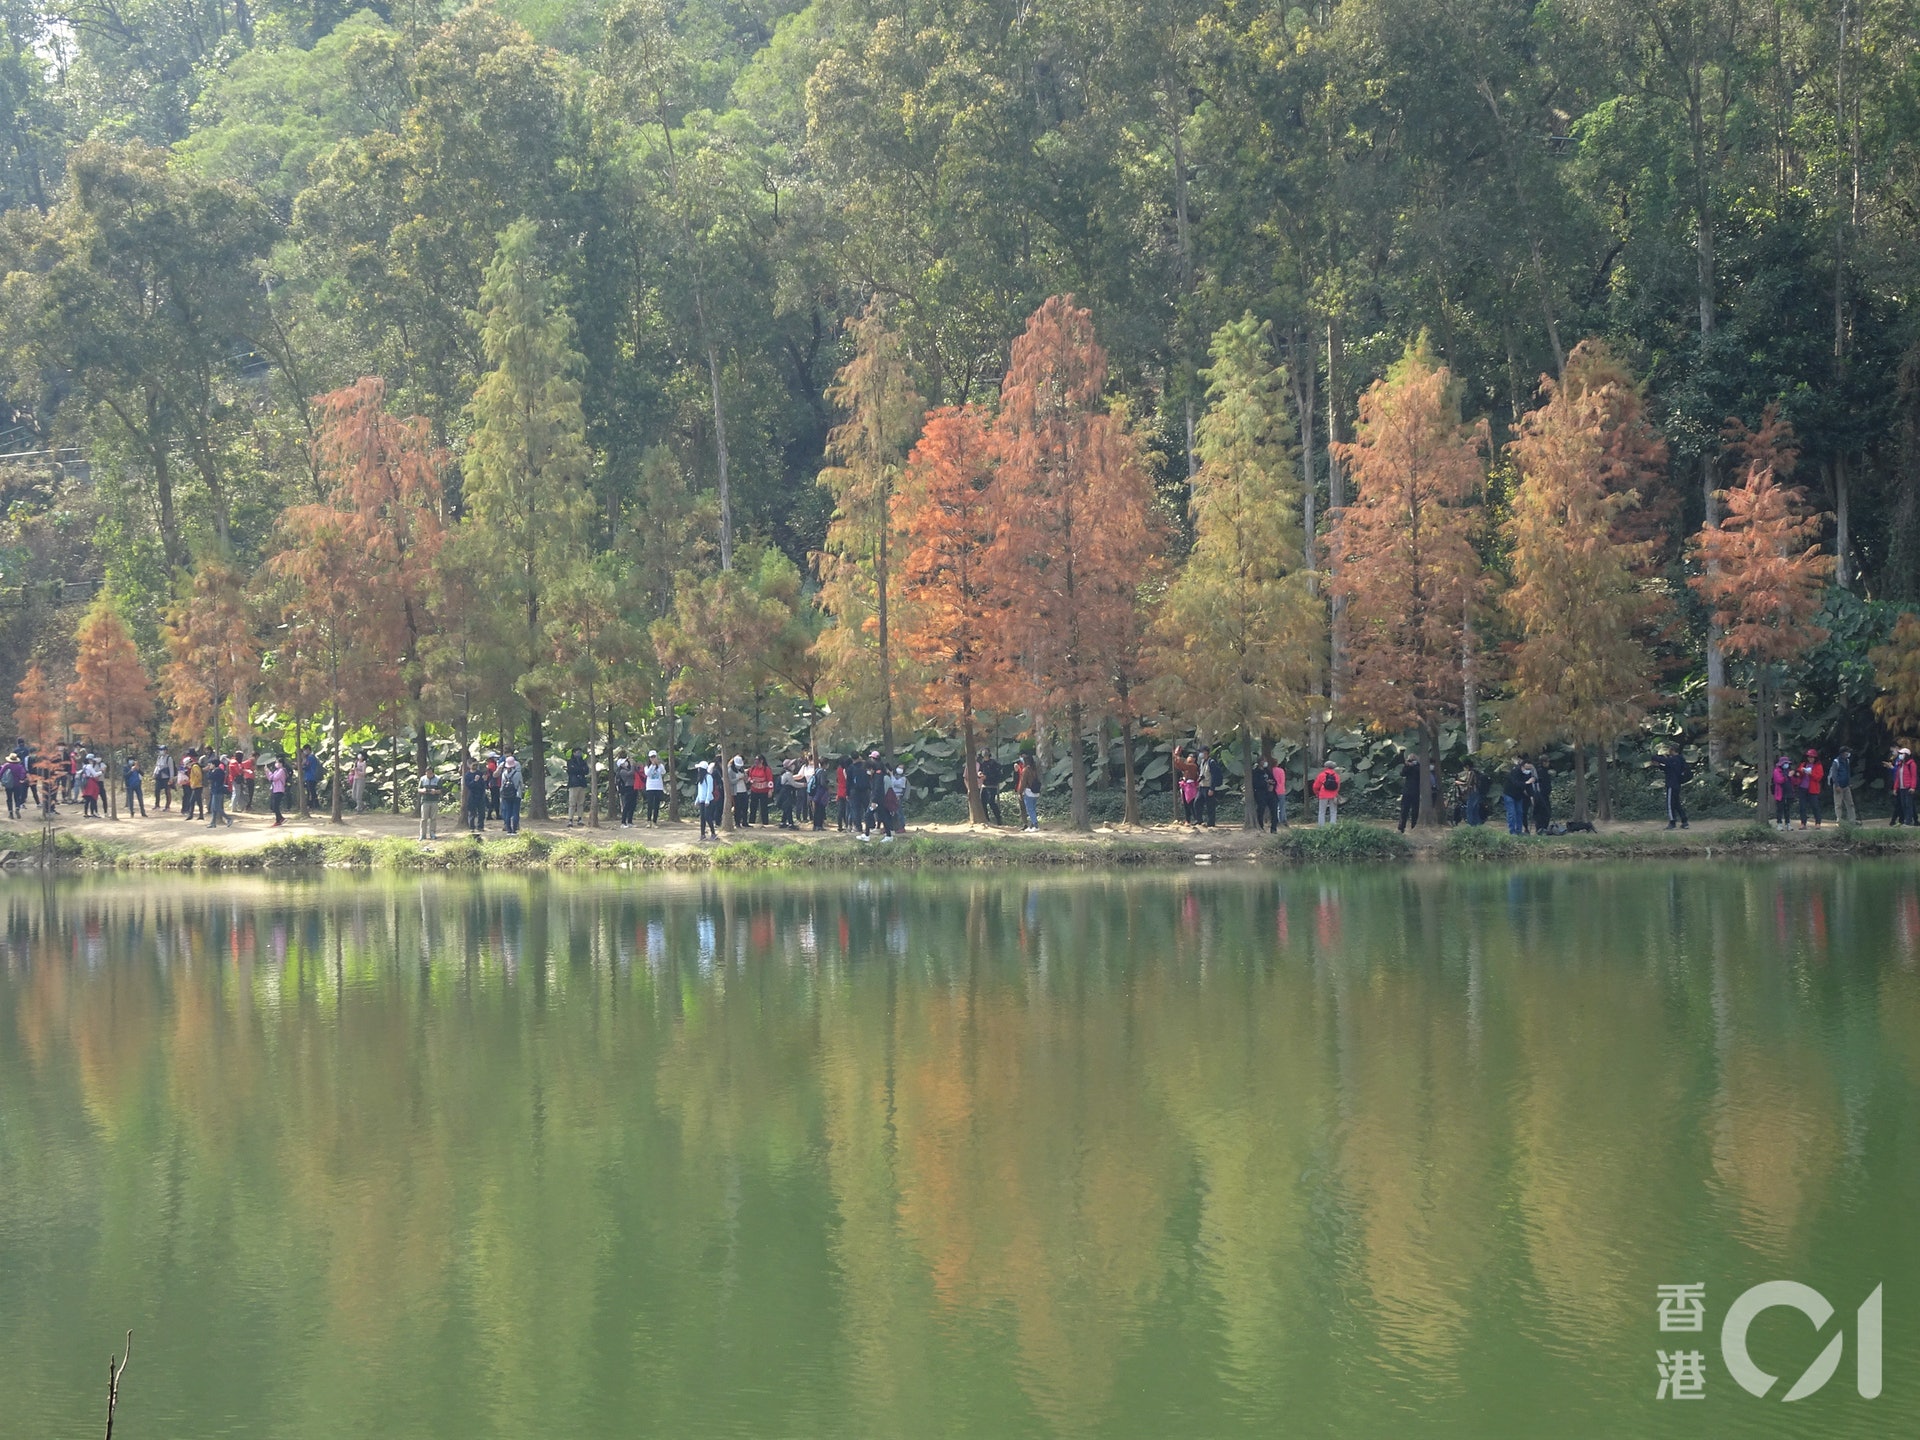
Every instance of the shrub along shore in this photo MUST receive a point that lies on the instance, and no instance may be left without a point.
(1347, 843)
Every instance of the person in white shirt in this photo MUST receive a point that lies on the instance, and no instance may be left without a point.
(656, 783)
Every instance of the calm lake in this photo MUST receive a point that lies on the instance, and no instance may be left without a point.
(1354, 1153)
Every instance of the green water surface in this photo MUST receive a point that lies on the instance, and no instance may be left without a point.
(1358, 1153)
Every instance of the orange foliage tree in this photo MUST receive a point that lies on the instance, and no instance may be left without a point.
(1896, 666)
(383, 475)
(1407, 576)
(1076, 528)
(36, 710)
(947, 515)
(1763, 574)
(1580, 669)
(213, 654)
(110, 694)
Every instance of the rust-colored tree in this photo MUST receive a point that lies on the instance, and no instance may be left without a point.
(111, 696)
(1763, 575)
(1580, 669)
(1632, 456)
(1896, 667)
(1408, 575)
(947, 515)
(213, 655)
(36, 710)
(340, 655)
(384, 475)
(1076, 531)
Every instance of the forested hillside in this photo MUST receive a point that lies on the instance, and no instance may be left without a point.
(499, 368)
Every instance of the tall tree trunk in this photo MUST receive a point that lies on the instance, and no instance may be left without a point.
(1336, 501)
(1248, 820)
(1469, 687)
(333, 769)
(880, 557)
(673, 774)
(395, 768)
(970, 769)
(1579, 780)
(725, 784)
(299, 768)
(1716, 658)
(1429, 775)
(1842, 524)
(1129, 773)
(1077, 768)
(719, 446)
(1603, 774)
(537, 753)
(593, 779)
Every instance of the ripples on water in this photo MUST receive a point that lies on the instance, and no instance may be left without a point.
(1342, 1154)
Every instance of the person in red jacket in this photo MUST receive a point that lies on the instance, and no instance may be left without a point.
(1807, 778)
(759, 791)
(1326, 789)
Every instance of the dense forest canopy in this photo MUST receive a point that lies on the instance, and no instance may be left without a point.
(610, 255)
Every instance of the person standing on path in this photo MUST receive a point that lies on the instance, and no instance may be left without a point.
(1515, 797)
(162, 779)
(1840, 781)
(992, 777)
(656, 775)
(310, 777)
(705, 801)
(136, 791)
(429, 805)
(1026, 779)
(1326, 789)
(217, 787)
(1780, 786)
(277, 790)
(1542, 797)
(576, 787)
(1676, 772)
(513, 785)
(1409, 792)
(357, 777)
(1807, 776)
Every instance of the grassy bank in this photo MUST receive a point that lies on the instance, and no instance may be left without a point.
(1754, 839)
(1343, 844)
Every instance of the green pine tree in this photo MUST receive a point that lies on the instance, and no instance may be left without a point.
(527, 461)
(1236, 633)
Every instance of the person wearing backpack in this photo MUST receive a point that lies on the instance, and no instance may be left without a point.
(1840, 781)
(1326, 789)
(1676, 772)
(513, 785)
(136, 790)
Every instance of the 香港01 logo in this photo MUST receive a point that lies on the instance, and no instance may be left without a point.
(1683, 1309)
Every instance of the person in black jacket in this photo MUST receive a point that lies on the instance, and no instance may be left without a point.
(1514, 796)
(858, 777)
(1409, 792)
(1676, 772)
(1542, 797)
(992, 776)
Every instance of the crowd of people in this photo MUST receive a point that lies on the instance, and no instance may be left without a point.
(866, 795)
(207, 784)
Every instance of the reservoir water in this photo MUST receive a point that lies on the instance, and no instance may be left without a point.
(1368, 1153)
